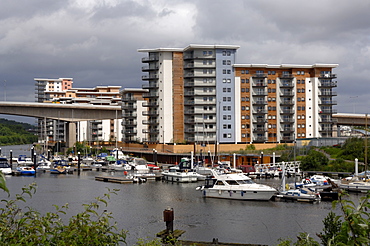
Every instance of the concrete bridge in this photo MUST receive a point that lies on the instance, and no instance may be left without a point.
(70, 113)
(351, 119)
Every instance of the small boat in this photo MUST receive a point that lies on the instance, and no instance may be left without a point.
(300, 195)
(43, 165)
(58, 170)
(356, 186)
(181, 173)
(23, 160)
(25, 170)
(5, 167)
(235, 186)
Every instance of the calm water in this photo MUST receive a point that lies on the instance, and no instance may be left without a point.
(138, 208)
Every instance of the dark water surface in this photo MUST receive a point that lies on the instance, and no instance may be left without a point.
(138, 208)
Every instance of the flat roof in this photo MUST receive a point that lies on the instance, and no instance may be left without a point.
(191, 46)
(287, 65)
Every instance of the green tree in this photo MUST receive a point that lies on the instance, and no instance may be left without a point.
(314, 160)
(26, 226)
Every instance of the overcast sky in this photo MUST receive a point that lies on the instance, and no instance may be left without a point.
(95, 42)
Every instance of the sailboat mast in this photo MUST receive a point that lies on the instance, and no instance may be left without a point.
(365, 144)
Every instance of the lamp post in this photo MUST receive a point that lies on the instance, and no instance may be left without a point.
(261, 157)
(155, 156)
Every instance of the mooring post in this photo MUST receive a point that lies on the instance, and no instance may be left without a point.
(11, 158)
(79, 164)
(168, 216)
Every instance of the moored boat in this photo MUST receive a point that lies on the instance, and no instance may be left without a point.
(235, 186)
(25, 170)
(182, 173)
(5, 167)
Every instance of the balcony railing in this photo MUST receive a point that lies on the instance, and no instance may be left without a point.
(286, 84)
(327, 102)
(328, 84)
(150, 113)
(149, 59)
(328, 93)
(327, 76)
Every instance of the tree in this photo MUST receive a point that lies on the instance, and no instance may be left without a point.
(26, 226)
(314, 160)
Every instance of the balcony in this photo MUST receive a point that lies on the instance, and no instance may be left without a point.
(150, 113)
(327, 102)
(260, 102)
(150, 86)
(130, 132)
(149, 104)
(287, 139)
(287, 120)
(259, 75)
(327, 76)
(286, 76)
(287, 93)
(189, 102)
(129, 123)
(150, 59)
(129, 115)
(129, 107)
(150, 131)
(328, 111)
(259, 120)
(150, 122)
(328, 93)
(190, 130)
(260, 129)
(259, 84)
(286, 84)
(149, 95)
(328, 84)
(326, 120)
(259, 93)
(287, 129)
(149, 77)
(127, 99)
(260, 111)
(287, 111)
(287, 102)
(149, 68)
(260, 139)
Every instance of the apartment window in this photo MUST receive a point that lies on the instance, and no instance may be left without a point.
(259, 72)
(224, 71)
(298, 99)
(204, 62)
(269, 117)
(243, 126)
(205, 53)
(243, 89)
(303, 126)
(298, 117)
(298, 81)
(243, 99)
(228, 53)
(273, 81)
(228, 71)
(224, 117)
(210, 62)
(224, 135)
(302, 99)
(299, 108)
(224, 89)
(243, 135)
(273, 99)
(269, 81)
(302, 72)
(228, 89)
(229, 99)
(210, 99)
(205, 71)
(274, 117)
(204, 99)
(302, 81)
(246, 71)
(224, 126)
(228, 80)
(302, 90)
(228, 62)
(224, 99)
(299, 90)
(243, 117)
(302, 117)
(303, 108)
(298, 126)
(224, 108)
(247, 81)
(224, 53)
(298, 72)
(242, 71)
(243, 80)
(223, 80)
(228, 117)
(223, 62)
(247, 99)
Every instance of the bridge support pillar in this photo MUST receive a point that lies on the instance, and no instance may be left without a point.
(71, 134)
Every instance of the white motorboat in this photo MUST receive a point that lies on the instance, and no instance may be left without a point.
(5, 167)
(181, 173)
(140, 165)
(356, 186)
(235, 186)
(24, 161)
(43, 165)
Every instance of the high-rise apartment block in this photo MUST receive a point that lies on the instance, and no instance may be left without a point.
(61, 91)
(200, 94)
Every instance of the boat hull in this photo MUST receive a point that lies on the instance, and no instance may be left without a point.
(239, 195)
(180, 177)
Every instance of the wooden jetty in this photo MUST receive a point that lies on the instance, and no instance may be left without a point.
(129, 179)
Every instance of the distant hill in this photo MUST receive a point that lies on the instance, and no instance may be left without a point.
(14, 133)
